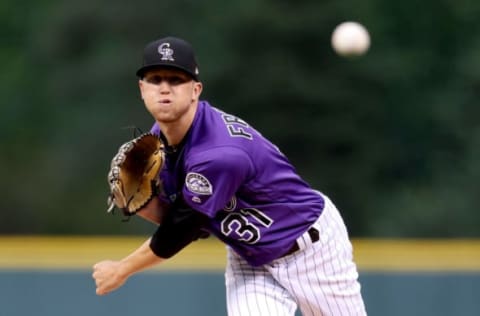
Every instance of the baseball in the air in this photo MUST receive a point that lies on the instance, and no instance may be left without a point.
(350, 39)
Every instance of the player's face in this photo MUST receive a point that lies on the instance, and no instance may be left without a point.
(169, 94)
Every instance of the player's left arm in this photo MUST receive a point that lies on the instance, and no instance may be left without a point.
(180, 226)
(213, 179)
(154, 211)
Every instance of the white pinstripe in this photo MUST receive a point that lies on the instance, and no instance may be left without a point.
(320, 278)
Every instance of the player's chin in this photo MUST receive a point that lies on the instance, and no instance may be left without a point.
(164, 115)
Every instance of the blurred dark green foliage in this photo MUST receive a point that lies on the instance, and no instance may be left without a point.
(391, 136)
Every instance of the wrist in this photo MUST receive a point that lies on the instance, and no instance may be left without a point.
(139, 260)
(125, 268)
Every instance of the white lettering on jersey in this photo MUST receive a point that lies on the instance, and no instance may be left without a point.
(245, 224)
(236, 127)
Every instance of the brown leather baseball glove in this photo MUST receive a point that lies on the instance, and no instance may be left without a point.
(134, 173)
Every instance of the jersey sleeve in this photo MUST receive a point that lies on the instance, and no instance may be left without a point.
(214, 176)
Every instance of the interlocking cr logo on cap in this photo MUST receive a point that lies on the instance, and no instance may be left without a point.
(166, 52)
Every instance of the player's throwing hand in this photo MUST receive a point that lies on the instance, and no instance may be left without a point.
(107, 276)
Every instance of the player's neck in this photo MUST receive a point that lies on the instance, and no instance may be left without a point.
(175, 132)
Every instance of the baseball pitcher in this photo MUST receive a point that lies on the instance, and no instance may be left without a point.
(201, 171)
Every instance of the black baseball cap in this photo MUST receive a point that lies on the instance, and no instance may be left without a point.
(169, 52)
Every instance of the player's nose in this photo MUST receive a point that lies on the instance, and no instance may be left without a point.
(164, 87)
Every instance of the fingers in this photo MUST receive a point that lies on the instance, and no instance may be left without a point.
(99, 278)
(105, 274)
(100, 291)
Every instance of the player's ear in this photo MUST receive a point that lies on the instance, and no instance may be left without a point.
(197, 90)
(140, 86)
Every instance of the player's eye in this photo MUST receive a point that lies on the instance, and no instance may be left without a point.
(172, 80)
(176, 80)
(153, 79)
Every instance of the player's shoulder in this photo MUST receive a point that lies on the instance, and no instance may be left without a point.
(219, 158)
(220, 152)
(213, 126)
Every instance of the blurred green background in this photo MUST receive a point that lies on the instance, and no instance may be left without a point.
(392, 137)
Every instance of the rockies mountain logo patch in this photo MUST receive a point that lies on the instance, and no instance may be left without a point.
(198, 184)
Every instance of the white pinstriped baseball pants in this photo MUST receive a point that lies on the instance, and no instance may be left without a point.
(320, 279)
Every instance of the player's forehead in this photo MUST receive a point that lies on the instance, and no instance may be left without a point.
(166, 72)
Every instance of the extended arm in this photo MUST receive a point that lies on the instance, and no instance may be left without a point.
(110, 275)
(176, 230)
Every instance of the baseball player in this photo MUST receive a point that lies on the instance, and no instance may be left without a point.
(287, 244)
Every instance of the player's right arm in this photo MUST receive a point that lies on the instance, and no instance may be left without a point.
(176, 230)
(109, 275)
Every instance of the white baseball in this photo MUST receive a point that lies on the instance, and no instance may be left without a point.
(350, 39)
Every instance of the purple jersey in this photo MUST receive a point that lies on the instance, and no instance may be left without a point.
(257, 203)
